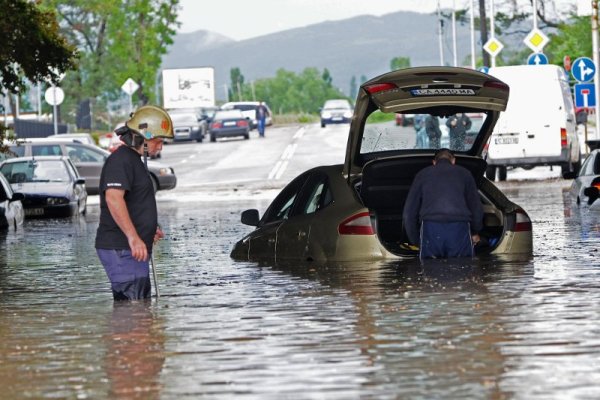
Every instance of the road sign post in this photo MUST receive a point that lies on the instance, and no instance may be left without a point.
(54, 96)
(129, 87)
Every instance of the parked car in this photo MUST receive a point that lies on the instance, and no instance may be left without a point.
(336, 111)
(353, 211)
(248, 109)
(229, 123)
(11, 206)
(89, 161)
(585, 188)
(80, 137)
(51, 185)
(188, 124)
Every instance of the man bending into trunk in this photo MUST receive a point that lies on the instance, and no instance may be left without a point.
(443, 209)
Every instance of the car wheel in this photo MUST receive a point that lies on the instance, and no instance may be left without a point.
(247, 136)
(154, 183)
(213, 138)
(501, 174)
(322, 124)
(490, 172)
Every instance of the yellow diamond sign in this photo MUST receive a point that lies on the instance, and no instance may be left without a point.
(493, 47)
(536, 40)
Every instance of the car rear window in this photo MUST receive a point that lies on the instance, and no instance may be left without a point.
(385, 132)
(228, 114)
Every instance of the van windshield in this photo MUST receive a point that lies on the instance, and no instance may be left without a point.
(402, 132)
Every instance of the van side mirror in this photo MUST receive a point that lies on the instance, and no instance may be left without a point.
(80, 181)
(17, 196)
(250, 217)
(592, 193)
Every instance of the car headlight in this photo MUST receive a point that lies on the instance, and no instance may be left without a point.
(166, 171)
(348, 114)
(53, 201)
(326, 115)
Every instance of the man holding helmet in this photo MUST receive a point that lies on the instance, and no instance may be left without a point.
(128, 215)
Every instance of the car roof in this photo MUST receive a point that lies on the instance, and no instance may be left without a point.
(440, 91)
(40, 158)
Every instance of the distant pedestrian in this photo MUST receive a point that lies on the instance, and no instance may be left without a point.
(422, 141)
(432, 128)
(261, 118)
(443, 211)
(458, 125)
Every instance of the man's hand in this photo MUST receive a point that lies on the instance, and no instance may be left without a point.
(158, 235)
(138, 248)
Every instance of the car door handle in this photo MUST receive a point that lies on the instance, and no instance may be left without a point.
(272, 240)
(530, 136)
(301, 234)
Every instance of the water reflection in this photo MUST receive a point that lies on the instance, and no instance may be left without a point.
(135, 351)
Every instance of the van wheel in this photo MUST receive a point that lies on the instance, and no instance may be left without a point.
(501, 174)
(490, 172)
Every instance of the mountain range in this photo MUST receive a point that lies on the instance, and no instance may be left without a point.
(360, 47)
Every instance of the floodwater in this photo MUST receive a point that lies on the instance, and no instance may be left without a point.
(494, 329)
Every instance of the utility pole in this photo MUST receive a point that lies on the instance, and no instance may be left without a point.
(454, 33)
(596, 59)
(440, 33)
(473, 61)
(492, 29)
(484, 31)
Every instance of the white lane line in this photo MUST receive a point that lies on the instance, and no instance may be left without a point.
(283, 167)
(299, 133)
(292, 149)
(274, 170)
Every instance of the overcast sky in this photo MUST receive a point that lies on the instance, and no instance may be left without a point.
(242, 19)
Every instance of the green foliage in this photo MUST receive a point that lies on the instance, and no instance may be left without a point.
(31, 47)
(399, 63)
(237, 82)
(289, 92)
(117, 40)
(573, 39)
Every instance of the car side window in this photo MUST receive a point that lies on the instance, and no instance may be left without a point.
(46, 150)
(283, 204)
(3, 195)
(82, 154)
(317, 195)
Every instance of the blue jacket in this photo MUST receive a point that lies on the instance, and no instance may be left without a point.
(442, 193)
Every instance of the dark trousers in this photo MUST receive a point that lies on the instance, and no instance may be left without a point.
(445, 240)
(129, 278)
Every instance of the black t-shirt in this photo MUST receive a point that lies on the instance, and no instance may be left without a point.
(125, 170)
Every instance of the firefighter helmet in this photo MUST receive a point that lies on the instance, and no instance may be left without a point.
(151, 122)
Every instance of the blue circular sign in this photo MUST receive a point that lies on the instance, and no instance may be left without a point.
(484, 69)
(583, 69)
(537, 59)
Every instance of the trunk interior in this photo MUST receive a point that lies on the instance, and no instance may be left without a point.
(384, 187)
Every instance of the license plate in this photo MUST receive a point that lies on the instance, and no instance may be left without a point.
(229, 123)
(506, 140)
(336, 118)
(34, 211)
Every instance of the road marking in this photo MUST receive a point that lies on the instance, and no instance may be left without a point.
(287, 155)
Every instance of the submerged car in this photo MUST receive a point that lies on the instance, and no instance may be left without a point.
(229, 123)
(585, 188)
(354, 211)
(336, 111)
(89, 161)
(11, 206)
(50, 184)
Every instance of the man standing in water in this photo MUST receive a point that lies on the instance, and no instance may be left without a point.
(128, 215)
(443, 209)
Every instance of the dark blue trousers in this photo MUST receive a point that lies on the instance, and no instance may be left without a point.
(129, 278)
(445, 240)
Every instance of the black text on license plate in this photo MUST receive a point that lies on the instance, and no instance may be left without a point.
(506, 140)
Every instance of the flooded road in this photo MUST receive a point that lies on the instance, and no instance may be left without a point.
(495, 329)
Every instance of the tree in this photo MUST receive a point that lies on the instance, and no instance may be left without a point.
(32, 48)
(399, 63)
(117, 40)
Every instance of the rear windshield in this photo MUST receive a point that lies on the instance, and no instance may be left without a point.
(391, 131)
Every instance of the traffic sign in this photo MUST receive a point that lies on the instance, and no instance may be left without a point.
(583, 69)
(537, 59)
(585, 95)
(493, 47)
(536, 40)
(54, 96)
(130, 86)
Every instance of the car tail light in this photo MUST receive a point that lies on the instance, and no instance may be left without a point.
(496, 85)
(217, 124)
(242, 122)
(563, 137)
(109, 135)
(380, 87)
(522, 223)
(358, 224)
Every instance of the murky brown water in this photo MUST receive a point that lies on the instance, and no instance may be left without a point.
(495, 329)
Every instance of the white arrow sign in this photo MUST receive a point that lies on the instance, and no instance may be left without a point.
(583, 69)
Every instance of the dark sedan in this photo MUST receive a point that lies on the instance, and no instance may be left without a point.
(51, 185)
(229, 123)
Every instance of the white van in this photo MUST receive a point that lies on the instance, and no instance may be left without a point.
(538, 126)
